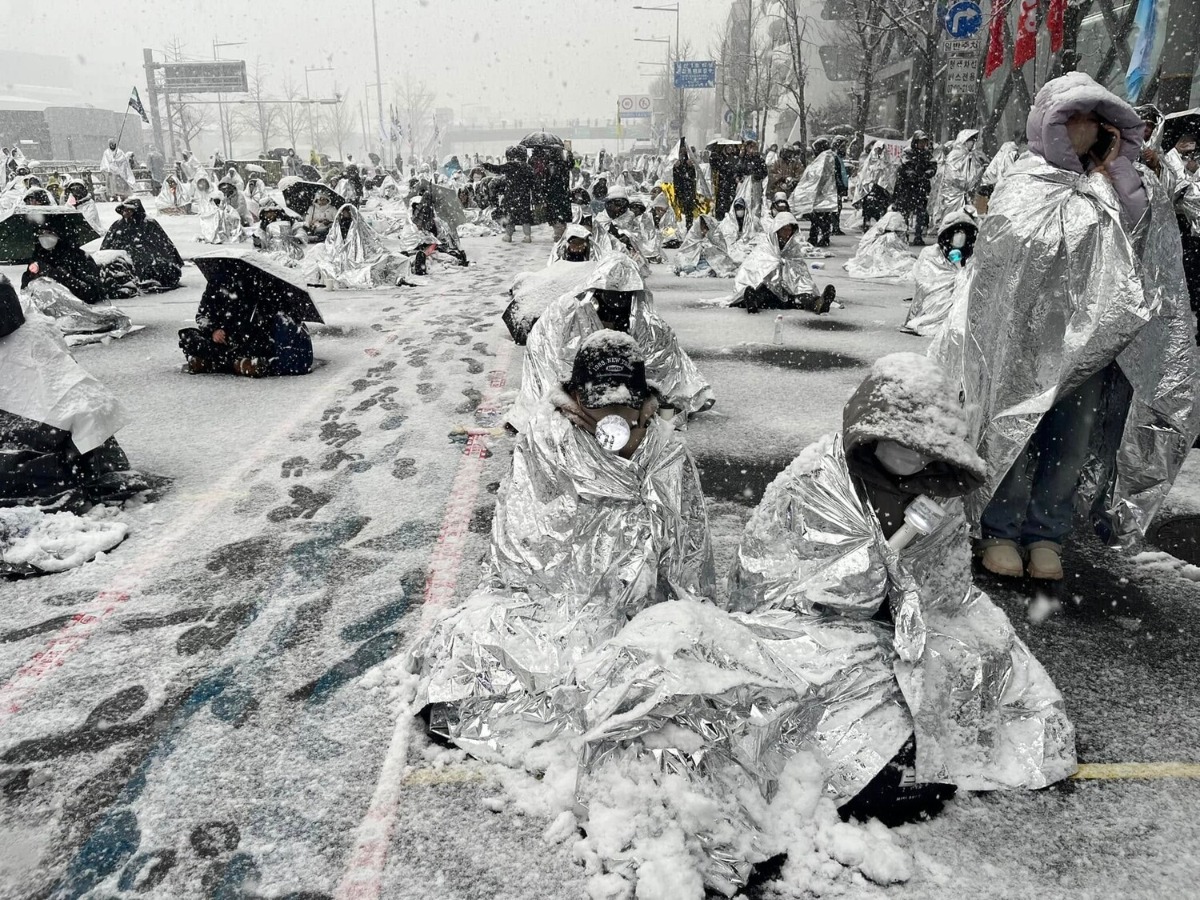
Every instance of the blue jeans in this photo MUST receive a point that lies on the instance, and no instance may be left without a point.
(1035, 501)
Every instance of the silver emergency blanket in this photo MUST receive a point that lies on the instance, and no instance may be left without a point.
(817, 189)
(620, 235)
(1058, 291)
(668, 225)
(282, 241)
(784, 271)
(532, 292)
(936, 280)
(957, 176)
(1006, 157)
(550, 351)
(357, 260)
(73, 317)
(1184, 189)
(883, 251)
(40, 380)
(220, 222)
(986, 716)
(582, 540)
(741, 242)
(647, 237)
(704, 251)
(878, 168)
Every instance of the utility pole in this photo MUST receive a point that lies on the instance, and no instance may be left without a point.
(312, 128)
(152, 98)
(1180, 56)
(220, 106)
(378, 76)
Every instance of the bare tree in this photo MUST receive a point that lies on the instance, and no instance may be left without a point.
(261, 117)
(190, 120)
(751, 76)
(917, 31)
(337, 120)
(414, 105)
(797, 28)
(291, 115)
(866, 39)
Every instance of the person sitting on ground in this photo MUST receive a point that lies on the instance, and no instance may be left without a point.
(156, 261)
(704, 252)
(647, 236)
(78, 195)
(883, 252)
(237, 331)
(601, 516)
(237, 200)
(37, 196)
(57, 422)
(581, 207)
(779, 204)
(613, 297)
(60, 260)
(938, 271)
(231, 175)
(319, 217)
(572, 261)
(174, 199)
(775, 274)
(279, 234)
(350, 186)
(354, 257)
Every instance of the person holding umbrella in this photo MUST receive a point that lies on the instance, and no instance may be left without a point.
(242, 323)
(517, 202)
(59, 258)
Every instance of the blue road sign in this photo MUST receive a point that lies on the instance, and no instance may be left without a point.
(695, 73)
(963, 19)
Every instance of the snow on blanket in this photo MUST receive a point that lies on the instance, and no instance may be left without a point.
(56, 542)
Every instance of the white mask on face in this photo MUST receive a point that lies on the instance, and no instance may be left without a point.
(612, 433)
(48, 241)
(898, 459)
(959, 240)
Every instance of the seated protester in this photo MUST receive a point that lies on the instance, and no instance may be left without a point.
(779, 204)
(57, 422)
(816, 194)
(614, 297)
(857, 648)
(938, 271)
(231, 175)
(278, 234)
(174, 199)
(62, 261)
(581, 207)
(425, 237)
(350, 186)
(740, 228)
(1002, 163)
(256, 190)
(572, 261)
(775, 275)
(235, 198)
(156, 261)
(704, 252)
(237, 331)
(79, 195)
(319, 216)
(665, 221)
(601, 516)
(648, 238)
(354, 257)
(614, 227)
(220, 221)
(883, 252)
(37, 196)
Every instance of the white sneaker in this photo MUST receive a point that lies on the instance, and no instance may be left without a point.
(1003, 559)
(1045, 561)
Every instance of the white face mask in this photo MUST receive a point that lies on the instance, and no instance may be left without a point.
(612, 433)
(48, 241)
(898, 459)
(959, 240)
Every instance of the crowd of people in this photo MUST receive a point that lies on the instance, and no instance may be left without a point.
(1060, 291)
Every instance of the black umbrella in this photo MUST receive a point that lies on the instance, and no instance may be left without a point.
(542, 139)
(18, 232)
(278, 288)
(309, 173)
(1176, 125)
(299, 195)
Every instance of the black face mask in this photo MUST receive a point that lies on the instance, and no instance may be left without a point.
(577, 255)
(615, 307)
(616, 208)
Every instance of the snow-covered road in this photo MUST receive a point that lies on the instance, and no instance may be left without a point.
(212, 710)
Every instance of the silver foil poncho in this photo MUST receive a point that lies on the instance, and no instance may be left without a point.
(357, 259)
(783, 270)
(936, 280)
(705, 251)
(817, 188)
(571, 318)
(883, 251)
(582, 540)
(1058, 291)
(957, 176)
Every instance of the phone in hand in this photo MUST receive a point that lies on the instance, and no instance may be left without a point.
(1104, 142)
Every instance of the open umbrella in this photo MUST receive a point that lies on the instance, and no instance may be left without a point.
(309, 173)
(255, 168)
(542, 139)
(18, 231)
(299, 195)
(282, 289)
(1176, 125)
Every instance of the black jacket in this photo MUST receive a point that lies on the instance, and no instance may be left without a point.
(913, 180)
(152, 252)
(517, 202)
(232, 306)
(683, 173)
(753, 166)
(70, 267)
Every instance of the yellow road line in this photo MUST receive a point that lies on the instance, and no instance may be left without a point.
(1135, 771)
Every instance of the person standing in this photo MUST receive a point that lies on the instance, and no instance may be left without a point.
(118, 172)
(517, 202)
(913, 182)
(683, 175)
(156, 163)
(725, 163)
(753, 166)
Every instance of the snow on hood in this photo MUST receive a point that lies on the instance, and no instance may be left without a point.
(1061, 98)
(908, 399)
(617, 273)
(967, 134)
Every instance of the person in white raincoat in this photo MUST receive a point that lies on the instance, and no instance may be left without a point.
(614, 297)
(816, 194)
(220, 221)
(938, 271)
(354, 257)
(573, 259)
(78, 195)
(704, 252)
(775, 275)
(958, 176)
(174, 198)
(1073, 337)
(118, 172)
(601, 516)
(883, 251)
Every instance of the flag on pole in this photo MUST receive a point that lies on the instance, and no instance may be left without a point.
(1139, 63)
(1025, 48)
(135, 103)
(995, 51)
(1055, 23)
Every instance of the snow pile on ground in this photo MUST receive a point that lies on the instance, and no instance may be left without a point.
(56, 542)
(1157, 561)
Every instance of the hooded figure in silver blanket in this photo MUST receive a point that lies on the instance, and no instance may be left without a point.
(573, 259)
(816, 192)
(564, 325)
(957, 176)
(838, 644)
(883, 251)
(649, 240)
(583, 539)
(1077, 275)
(781, 272)
(353, 257)
(939, 270)
(704, 251)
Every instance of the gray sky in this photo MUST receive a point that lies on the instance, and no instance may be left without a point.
(522, 58)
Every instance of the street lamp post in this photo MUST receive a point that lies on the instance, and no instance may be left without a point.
(220, 107)
(675, 9)
(312, 128)
(378, 77)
